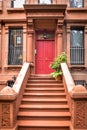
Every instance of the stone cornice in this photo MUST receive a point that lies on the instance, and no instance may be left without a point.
(54, 11)
(13, 20)
(45, 8)
(80, 21)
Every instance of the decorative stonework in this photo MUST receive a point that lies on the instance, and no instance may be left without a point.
(14, 115)
(80, 115)
(5, 115)
(30, 26)
(72, 110)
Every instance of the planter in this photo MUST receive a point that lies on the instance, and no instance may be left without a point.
(58, 78)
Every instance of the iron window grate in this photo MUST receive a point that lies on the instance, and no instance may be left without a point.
(81, 82)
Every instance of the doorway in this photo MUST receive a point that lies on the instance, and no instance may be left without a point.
(44, 52)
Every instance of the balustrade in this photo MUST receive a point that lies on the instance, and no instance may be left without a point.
(77, 98)
(10, 99)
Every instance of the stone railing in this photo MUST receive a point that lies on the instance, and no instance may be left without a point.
(10, 99)
(77, 98)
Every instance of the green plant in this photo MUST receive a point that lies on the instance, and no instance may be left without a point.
(56, 65)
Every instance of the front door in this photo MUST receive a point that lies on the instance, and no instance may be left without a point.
(45, 53)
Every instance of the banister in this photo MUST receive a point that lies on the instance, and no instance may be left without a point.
(10, 99)
(20, 78)
(67, 76)
(77, 100)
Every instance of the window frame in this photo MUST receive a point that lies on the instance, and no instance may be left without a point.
(13, 4)
(77, 29)
(15, 46)
(77, 59)
(77, 6)
(44, 3)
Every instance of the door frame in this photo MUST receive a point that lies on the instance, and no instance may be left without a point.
(44, 32)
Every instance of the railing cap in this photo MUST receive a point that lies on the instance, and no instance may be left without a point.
(79, 91)
(8, 93)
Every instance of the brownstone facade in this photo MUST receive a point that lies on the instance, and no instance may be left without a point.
(34, 17)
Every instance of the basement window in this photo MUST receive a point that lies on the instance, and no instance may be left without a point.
(81, 82)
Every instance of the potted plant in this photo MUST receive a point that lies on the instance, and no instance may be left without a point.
(56, 65)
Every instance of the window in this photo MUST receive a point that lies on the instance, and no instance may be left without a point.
(76, 3)
(81, 82)
(45, 36)
(17, 3)
(15, 46)
(77, 46)
(44, 1)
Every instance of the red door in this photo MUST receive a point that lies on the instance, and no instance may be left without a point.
(45, 53)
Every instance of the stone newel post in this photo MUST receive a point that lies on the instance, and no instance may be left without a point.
(8, 109)
(79, 107)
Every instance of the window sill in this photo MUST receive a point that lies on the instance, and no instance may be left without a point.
(77, 66)
(82, 10)
(15, 10)
(13, 66)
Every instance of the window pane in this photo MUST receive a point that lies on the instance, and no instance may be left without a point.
(15, 47)
(45, 36)
(45, 1)
(76, 3)
(77, 46)
(76, 38)
(18, 3)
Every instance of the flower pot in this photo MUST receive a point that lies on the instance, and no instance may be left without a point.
(58, 78)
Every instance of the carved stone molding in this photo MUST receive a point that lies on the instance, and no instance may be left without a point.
(85, 29)
(5, 121)
(30, 25)
(68, 28)
(80, 115)
(59, 27)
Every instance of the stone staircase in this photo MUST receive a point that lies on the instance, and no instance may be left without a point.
(44, 105)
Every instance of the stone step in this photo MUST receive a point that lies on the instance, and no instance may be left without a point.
(43, 125)
(51, 95)
(44, 90)
(43, 107)
(43, 85)
(44, 115)
(41, 77)
(44, 128)
(43, 81)
(44, 100)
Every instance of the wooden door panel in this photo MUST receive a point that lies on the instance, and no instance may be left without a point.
(45, 53)
(49, 54)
